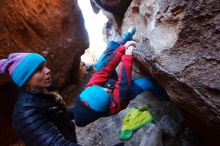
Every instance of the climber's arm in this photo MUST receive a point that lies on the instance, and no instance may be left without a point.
(100, 77)
(121, 90)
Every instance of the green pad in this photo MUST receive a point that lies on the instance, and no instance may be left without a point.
(134, 119)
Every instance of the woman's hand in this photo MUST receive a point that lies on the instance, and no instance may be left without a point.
(130, 45)
(129, 50)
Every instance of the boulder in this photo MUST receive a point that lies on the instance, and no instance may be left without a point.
(54, 29)
(178, 45)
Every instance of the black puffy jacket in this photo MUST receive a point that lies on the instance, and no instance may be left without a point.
(41, 120)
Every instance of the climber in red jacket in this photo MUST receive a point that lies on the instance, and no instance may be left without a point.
(97, 99)
(107, 92)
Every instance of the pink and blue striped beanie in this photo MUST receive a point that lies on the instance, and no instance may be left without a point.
(21, 66)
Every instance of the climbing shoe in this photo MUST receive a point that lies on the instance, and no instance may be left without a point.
(133, 120)
(127, 36)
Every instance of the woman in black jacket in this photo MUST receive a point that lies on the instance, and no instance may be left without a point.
(39, 117)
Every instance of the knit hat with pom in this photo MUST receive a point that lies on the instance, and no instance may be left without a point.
(21, 66)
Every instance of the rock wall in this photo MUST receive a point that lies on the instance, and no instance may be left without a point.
(53, 28)
(179, 46)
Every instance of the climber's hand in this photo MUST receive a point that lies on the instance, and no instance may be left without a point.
(129, 50)
(130, 43)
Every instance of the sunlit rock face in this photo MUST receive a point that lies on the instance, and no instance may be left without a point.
(53, 28)
(179, 46)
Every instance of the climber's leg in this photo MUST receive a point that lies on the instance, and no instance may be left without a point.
(127, 36)
(113, 45)
(141, 84)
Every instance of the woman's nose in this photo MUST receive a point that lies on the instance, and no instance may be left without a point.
(47, 71)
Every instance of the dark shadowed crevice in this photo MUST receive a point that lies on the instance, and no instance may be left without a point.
(116, 8)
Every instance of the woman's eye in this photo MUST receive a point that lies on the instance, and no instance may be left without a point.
(40, 69)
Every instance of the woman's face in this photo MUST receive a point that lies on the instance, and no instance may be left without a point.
(40, 79)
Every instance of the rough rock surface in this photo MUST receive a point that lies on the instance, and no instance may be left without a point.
(179, 46)
(52, 28)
